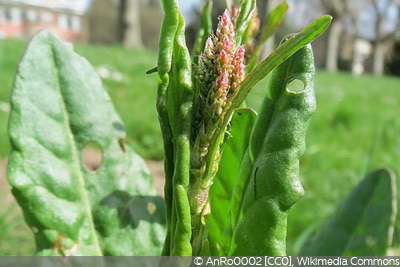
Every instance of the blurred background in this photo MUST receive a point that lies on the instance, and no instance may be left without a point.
(355, 129)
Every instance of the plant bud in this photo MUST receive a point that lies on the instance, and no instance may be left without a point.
(220, 71)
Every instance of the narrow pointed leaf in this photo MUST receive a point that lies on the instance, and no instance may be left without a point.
(204, 31)
(363, 223)
(283, 52)
(58, 107)
(246, 11)
(274, 20)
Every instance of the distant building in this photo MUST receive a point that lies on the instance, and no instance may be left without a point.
(65, 18)
(84, 21)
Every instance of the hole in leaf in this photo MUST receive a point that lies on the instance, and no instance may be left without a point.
(295, 86)
(92, 156)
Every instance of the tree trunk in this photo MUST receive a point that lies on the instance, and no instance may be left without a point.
(133, 35)
(332, 48)
(121, 21)
(379, 46)
(379, 50)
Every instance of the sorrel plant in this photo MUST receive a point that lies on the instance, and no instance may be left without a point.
(231, 175)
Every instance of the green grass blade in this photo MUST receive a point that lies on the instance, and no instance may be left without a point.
(8, 222)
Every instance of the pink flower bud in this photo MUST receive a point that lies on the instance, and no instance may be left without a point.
(235, 12)
(225, 26)
(223, 58)
(239, 54)
(223, 81)
(239, 65)
(209, 48)
(220, 71)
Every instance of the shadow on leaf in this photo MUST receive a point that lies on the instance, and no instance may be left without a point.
(133, 209)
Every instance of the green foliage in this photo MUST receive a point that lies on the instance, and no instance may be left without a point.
(187, 235)
(10, 53)
(254, 172)
(276, 143)
(8, 222)
(227, 179)
(174, 108)
(338, 156)
(132, 93)
(362, 224)
(71, 210)
(274, 19)
(204, 30)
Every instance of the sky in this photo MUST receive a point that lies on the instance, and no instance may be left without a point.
(367, 20)
(187, 7)
(188, 4)
(300, 14)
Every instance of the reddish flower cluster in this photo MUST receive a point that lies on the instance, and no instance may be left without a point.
(220, 71)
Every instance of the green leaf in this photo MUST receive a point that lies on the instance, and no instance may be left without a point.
(180, 97)
(246, 11)
(274, 20)
(269, 181)
(204, 31)
(129, 215)
(167, 33)
(59, 107)
(363, 223)
(283, 52)
(238, 136)
(165, 51)
(8, 222)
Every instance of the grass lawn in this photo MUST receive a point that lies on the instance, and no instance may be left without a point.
(354, 130)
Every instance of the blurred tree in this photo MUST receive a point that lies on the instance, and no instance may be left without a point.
(129, 14)
(384, 36)
(393, 65)
(264, 8)
(373, 21)
(338, 9)
(102, 18)
(150, 18)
